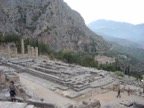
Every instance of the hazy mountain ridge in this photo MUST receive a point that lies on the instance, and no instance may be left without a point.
(123, 47)
(123, 42)
(107, 28)
(50, 21)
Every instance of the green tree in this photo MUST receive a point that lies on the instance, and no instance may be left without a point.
(89, 61)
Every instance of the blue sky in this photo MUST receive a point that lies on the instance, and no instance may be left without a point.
(131, 11)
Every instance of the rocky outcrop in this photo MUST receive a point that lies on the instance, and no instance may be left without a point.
(50, 21)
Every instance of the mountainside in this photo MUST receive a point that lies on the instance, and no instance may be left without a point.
(126, 43)
(128, 57)
(123, 42)
(50, 21)
(106, 28)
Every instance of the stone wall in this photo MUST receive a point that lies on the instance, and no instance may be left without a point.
(90, 104)
(8, 74)
(85, 104)
(41, 104)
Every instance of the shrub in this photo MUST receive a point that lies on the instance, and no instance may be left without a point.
(119, 73)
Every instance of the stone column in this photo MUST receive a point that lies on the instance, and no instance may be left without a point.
(3, 78)
(32, 52)
(29, 50)
(9, 51)
(22, 47)
(16, 52)
(36, 52)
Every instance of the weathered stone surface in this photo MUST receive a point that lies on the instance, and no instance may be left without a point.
(22, 47)
(36, 52)
(15, 105)
(68, 80)
(12, 77)
(61, 78)
(15, 51)
(68, 106)
(8, 74)
(9, 51)
(30, 106)
(41, 104)
(90, 104)
(127, 103)
(103, 81)
(108, 106)
(2, 77)
(32, 52)
(12, 105)
(138, 104)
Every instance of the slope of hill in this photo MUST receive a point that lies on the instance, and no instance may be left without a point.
(123, 42)
(134, 33)
(50, 21)
(126, 43)
(128, 57)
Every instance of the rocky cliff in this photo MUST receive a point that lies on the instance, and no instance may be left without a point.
(50, 21)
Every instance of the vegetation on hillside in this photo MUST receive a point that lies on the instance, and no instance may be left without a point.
(128, 59)
(126, 65)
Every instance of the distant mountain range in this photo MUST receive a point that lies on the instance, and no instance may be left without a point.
(122, 33)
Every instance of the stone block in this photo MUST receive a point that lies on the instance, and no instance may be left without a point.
(127, 103)
(3, 78)
(68, 106)
(90, 104)
(14, 78)
(30, 106)
(138, 104)
(12, 105)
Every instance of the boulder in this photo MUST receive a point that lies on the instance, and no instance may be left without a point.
(68, 106)
(2, 78)
(127, 103)
(138, 104)
(90, 104)
(108, 106)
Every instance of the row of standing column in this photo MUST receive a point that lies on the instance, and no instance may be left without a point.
(10, 52)
(32, 51)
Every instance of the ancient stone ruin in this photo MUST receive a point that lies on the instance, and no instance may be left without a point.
(68, 80)
(73, 79)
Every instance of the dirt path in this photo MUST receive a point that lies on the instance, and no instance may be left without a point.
(108, 98)
(44, 92)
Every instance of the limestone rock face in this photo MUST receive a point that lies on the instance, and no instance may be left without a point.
(50, 21)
